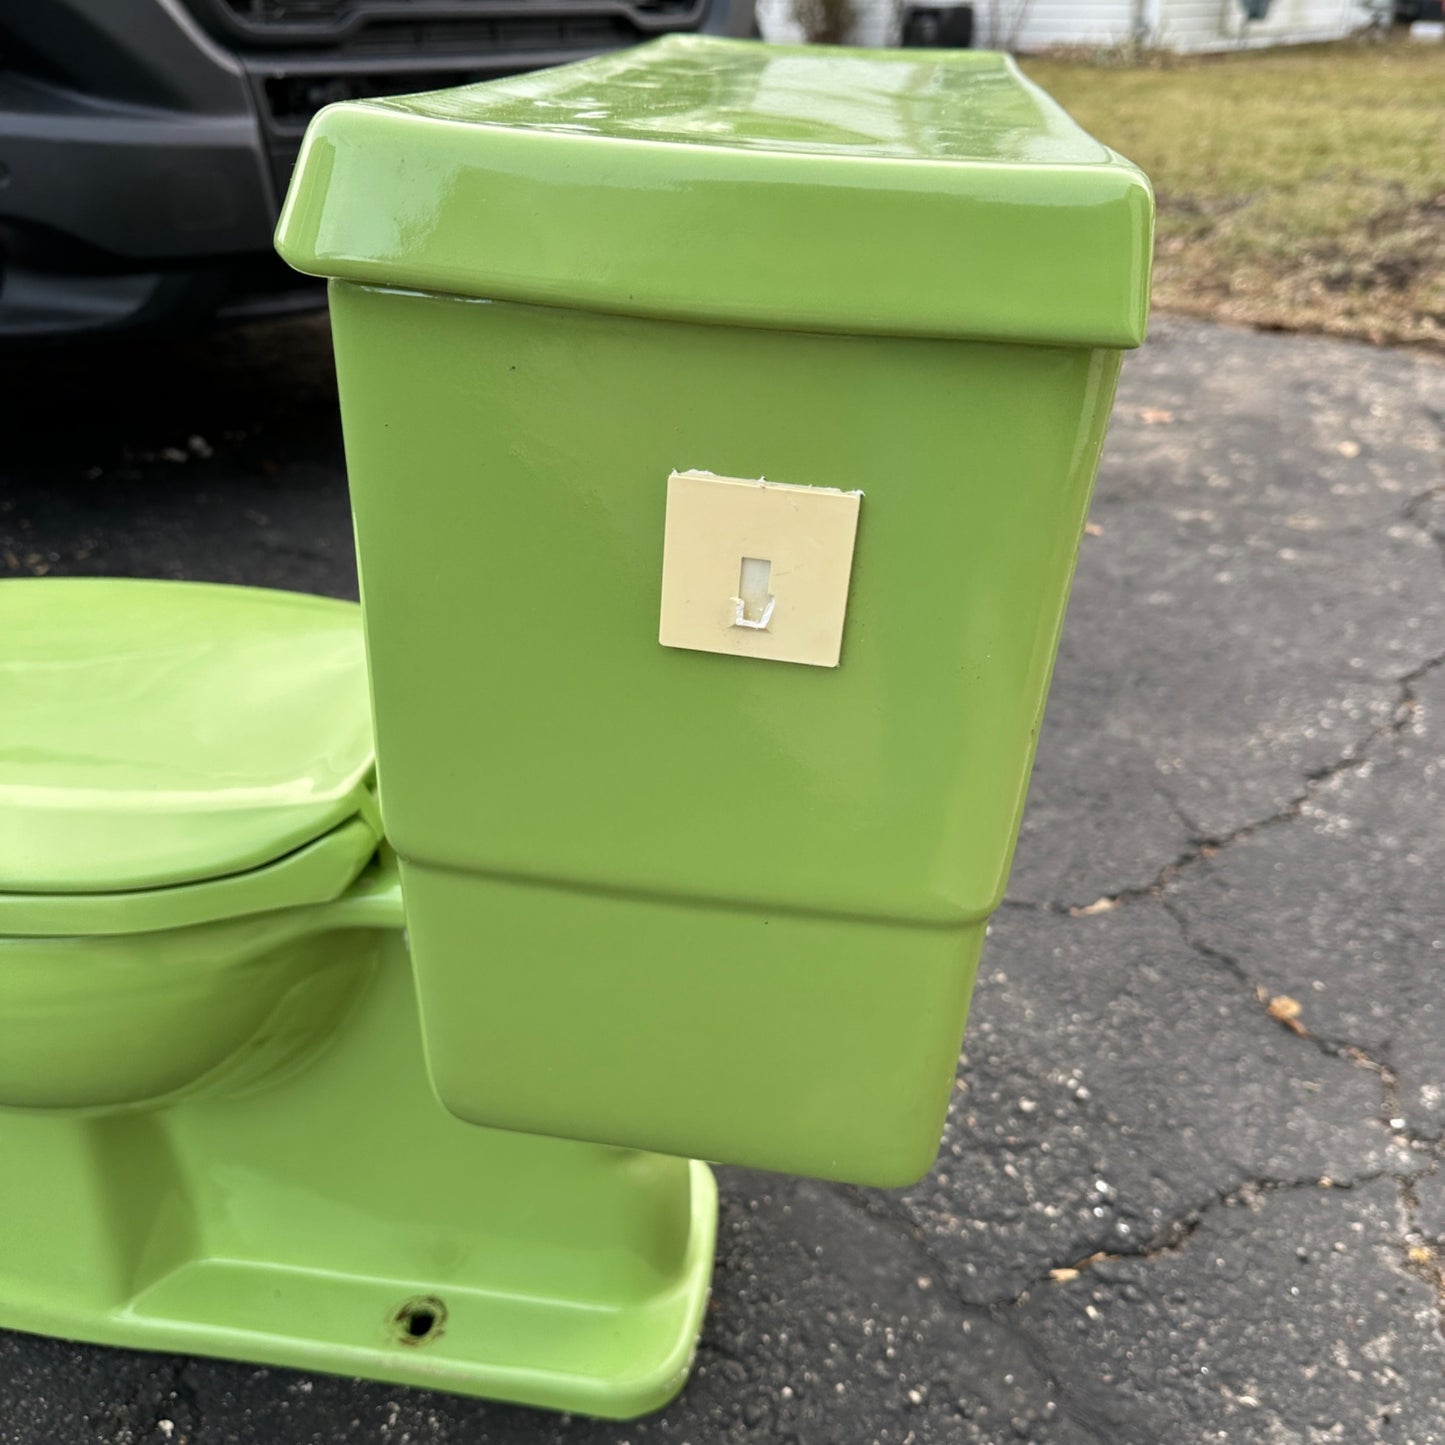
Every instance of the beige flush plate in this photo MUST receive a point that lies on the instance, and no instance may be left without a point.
(756, 569)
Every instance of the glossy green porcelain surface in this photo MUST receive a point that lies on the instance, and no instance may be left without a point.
(141, 1018)
(674, 899)
(339, 1220)
(215, 1128)
(808, 1043)
(901, 192)
(728, 839)
(160, 733)
(314, 873)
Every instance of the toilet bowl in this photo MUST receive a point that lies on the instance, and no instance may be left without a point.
(185, 805)
(217, 1135)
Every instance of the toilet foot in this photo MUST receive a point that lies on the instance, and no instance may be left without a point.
(342, 1221)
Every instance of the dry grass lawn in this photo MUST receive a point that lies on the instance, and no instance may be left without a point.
(1300, 188)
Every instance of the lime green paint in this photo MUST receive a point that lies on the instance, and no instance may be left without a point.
(291, 1224)
(895, 192)
(172, 731)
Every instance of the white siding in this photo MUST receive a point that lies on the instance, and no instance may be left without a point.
(1296, 20)
(1220, 24)
(1177, 24)
(1031, 25)
(1189, 24)
(1053, 22)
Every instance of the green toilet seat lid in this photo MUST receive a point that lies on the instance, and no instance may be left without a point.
(156, 734)
(317, 872)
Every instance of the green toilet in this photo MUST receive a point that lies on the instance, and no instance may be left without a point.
(720, 421)
(215, 1125)
(676, 879)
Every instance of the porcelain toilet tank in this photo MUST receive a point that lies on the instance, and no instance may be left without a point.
(188, 836)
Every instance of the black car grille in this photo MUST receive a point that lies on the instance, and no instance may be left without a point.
(399, 27)
(282, 12)
(303, 54)
(293, 95)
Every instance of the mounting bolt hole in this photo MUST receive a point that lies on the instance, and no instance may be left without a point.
(419, 1320)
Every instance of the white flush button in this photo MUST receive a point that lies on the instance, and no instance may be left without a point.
(756, 568)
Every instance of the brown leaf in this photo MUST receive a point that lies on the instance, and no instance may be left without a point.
(1285, 1010)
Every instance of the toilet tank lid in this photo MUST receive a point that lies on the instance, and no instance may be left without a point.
(929, 193)
(161, 733)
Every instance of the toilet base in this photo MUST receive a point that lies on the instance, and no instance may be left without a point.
(342, 1221)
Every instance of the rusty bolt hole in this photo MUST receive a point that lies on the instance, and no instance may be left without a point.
(419, 1320)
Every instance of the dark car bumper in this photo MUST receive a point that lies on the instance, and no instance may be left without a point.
(145, 145)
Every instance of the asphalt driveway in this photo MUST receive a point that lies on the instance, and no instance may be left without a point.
(1191, 1188)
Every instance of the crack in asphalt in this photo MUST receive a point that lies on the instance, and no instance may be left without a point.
(887, 1211)
(1391, 1114)
(1175, 1233)
(1168, 1238)
(1413, 509)
(1408, 708)
(1331, 1047)
(1202, 849)
(1204, 846)
(1422, 1257)
(890, 1209)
